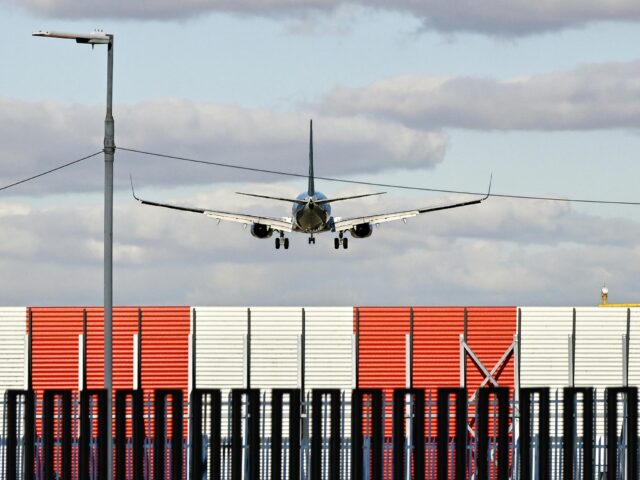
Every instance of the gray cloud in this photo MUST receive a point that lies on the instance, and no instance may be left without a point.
(39, 136)
(597, 96)
(495, 17)
(495, 253)
(390, 124)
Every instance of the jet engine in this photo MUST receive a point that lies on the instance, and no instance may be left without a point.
(362, 230)
(261, 231)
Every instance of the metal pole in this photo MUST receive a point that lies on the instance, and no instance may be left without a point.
(109, 151)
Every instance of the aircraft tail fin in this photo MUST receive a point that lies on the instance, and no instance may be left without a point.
(312, 189)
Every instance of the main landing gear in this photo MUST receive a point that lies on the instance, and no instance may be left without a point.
(281, 240)
(341, 241)
(312, 240)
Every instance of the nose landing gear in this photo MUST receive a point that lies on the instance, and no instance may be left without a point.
(312, 240)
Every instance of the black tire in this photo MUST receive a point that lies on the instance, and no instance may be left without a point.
(345, 243)
(336, 243)
(286, 244)
(277, 243)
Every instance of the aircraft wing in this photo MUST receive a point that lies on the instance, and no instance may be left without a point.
(347, 223)
(275, 223)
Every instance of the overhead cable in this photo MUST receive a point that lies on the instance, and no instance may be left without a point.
(42, 174)
(374, 184)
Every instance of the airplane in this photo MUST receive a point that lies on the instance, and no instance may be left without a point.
(310, 214)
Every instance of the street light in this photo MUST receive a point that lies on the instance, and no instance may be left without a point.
(101, 38)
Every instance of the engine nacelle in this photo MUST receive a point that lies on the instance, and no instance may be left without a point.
(261, 231)
(362, 230)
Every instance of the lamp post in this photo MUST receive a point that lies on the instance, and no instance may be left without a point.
(101, 38)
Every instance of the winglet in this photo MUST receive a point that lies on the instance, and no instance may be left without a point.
(489, 191)
(133, 192)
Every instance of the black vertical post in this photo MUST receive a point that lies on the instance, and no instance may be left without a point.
(417, 427)
(198, 454)
(357, 454)
(12, 434)
(30, 404)
(569, 431)
(526, 397)
(159, 435)
(253, 408)
(316, 434)
(277, 396)
(461, 432)
(11, 464)
(502, 395)
(630, 395)
(48, 434)
(137, 421)
(85, 432)
(160, 406)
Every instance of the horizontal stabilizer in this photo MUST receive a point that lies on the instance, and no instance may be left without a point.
(290, 200)
(339, 199)
(303, 202)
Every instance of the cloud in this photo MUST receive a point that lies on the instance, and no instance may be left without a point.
(600, 96)
(500, 252)
(493, 17)
(391, 124)
(37, 136)
(515, 17)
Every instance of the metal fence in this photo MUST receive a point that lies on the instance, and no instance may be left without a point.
(250, 435)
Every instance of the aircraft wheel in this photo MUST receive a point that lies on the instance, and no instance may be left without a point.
(336, 243)
(345, 243)
(277, 243)
(286, 244)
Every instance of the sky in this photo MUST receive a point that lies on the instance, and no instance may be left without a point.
(543, 95)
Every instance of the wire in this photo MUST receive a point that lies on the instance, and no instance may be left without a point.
(384, 185)
(60, 167)
(327, 179)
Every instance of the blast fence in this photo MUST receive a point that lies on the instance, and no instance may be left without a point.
(573, 433)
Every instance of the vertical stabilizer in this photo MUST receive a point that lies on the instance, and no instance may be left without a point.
(312, 190)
